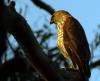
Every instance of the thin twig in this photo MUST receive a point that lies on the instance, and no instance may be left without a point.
(43, 5)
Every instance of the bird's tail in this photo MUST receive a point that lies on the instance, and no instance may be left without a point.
(78, 62)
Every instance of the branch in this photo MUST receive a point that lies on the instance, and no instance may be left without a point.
(19, 28)
(95, 64)
(43, 5)
(21, 31)
(12, 66)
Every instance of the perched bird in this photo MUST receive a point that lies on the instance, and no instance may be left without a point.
(72, 42)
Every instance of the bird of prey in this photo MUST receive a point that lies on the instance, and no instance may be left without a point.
(72, 42)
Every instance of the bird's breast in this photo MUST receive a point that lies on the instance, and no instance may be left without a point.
(60, 38)
(60, 42)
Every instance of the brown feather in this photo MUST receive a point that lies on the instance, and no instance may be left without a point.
(76, 40)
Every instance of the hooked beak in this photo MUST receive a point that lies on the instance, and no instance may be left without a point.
(51, 22)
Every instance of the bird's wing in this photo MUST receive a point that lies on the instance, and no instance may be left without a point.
(77, 37)
(75, 40)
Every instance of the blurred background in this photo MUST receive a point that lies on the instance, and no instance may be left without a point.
(86, 12)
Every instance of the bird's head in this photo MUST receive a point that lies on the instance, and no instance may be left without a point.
(59, 16)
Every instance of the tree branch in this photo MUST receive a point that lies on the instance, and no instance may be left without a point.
(21, 31)
(95, 64)
(43, 5)
(19, 28)
(12, 66)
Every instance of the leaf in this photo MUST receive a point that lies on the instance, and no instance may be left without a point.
(38, 32)
(53, 49)
(45, 26)
(45, 37)
(97, 40)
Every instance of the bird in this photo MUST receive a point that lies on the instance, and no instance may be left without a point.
(72, 41)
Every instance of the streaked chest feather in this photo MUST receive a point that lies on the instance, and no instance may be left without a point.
(60, 42)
